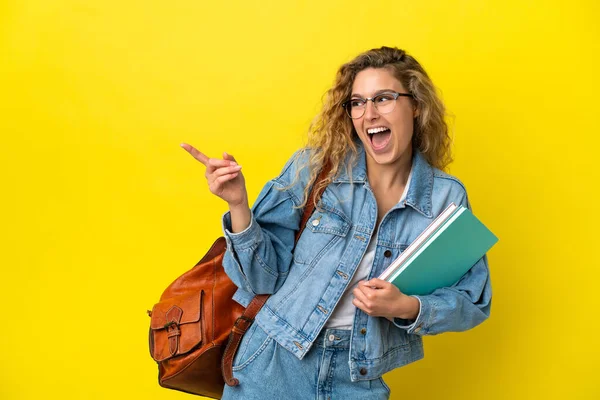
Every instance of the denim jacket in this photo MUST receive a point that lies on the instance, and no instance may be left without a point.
(307, 281)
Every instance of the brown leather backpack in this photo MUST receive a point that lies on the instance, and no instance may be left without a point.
(197, 327)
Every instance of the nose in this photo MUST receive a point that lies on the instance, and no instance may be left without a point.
(370, 110)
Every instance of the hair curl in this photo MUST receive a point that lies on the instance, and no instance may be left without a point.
(331, 135)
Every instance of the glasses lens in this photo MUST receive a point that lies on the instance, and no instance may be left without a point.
(355, 108)
(348, 110)
(384, 103)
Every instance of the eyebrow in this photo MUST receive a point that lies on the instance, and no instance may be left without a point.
(375, 94)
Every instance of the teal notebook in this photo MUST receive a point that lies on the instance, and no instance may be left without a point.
(445, 256)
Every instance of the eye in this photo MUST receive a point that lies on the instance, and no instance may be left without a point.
(382, 98)
(357, 103)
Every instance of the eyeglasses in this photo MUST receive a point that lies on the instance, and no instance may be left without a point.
(384, 103)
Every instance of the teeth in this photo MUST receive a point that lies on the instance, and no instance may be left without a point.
(376, 130)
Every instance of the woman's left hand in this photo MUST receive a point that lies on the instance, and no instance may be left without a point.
(379, 298)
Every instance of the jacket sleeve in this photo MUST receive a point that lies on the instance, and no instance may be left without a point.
(258, 259)
(460, 307)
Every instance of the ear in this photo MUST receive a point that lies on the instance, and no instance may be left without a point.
(416, 112)
(416, 108)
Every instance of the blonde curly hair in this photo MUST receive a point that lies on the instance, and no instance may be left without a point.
(331, 135)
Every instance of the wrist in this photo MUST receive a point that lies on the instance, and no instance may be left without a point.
(240, 216)
(241, 205)
(411, 308)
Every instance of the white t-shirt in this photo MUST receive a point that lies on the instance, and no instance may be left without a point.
(343, 313)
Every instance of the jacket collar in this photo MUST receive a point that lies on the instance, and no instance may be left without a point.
(419, 189)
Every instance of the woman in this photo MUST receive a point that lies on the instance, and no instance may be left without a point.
(331, 329)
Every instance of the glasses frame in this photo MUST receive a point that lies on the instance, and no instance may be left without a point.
(391, 92)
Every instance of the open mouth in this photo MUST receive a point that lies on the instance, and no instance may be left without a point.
(379, 137)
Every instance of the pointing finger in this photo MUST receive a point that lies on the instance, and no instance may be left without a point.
(195, 153)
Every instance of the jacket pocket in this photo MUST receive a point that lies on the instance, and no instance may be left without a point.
(323, 229)
(254, 341)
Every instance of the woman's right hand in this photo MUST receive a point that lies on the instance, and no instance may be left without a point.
(224, 177)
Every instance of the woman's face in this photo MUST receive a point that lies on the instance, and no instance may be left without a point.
(391, 143)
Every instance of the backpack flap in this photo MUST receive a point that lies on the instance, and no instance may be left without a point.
(176, 326)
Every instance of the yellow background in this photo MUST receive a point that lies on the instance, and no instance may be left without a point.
(101, 208)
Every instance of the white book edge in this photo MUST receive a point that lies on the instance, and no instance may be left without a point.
(418, 241)
(438, 233)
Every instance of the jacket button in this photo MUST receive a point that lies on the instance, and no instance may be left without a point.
(363, 371)
(315, 222)
(387, 253)
(363, 331)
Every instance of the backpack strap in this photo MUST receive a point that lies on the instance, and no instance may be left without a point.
(242, 324)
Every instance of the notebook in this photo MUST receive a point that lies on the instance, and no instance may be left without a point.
(442, 253)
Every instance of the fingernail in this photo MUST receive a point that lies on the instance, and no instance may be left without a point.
(232, 163)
